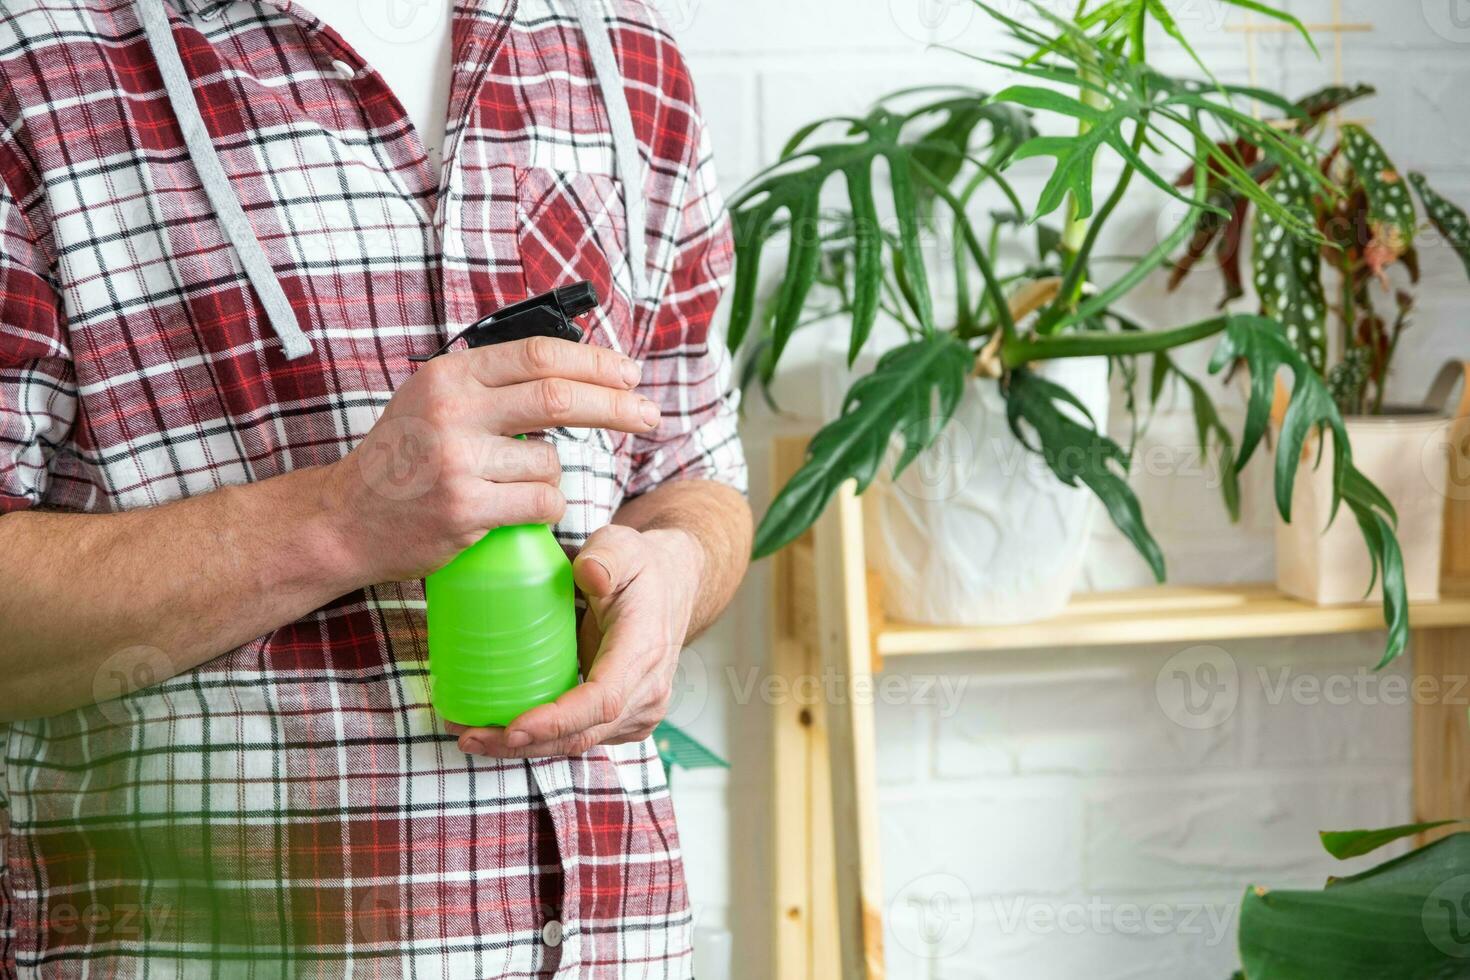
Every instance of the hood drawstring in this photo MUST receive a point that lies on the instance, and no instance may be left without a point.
(154, 18)
(625, 139)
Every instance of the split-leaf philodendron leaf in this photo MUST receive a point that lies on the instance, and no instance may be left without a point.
(912, 391)
(1058, 428)
(794, 187)
(1266, 351)
(1288, 271)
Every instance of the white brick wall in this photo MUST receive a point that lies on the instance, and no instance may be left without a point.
(1061, 821)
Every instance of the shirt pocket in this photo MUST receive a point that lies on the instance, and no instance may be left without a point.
(572, 227)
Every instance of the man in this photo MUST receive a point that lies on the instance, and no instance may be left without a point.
(222, 478)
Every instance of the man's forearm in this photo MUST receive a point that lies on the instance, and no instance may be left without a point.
(177, 585)
(718, 518)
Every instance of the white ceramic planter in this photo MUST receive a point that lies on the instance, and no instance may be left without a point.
(978, 530)
(1407, 457)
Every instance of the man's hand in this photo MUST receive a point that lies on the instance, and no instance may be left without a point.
(145, 594)
(642, 590)
(441, 467)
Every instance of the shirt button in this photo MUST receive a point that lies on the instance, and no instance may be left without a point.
(551, 933)
(345, 70)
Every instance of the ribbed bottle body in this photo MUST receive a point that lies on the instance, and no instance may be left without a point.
(502, 627)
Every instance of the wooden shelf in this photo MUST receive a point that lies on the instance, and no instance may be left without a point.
(1164, 614)
(827, 622)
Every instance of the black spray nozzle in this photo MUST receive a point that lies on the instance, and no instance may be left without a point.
(547, 315)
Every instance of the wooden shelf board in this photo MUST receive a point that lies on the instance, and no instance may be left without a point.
(1165, 614)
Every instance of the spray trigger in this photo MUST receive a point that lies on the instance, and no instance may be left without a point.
(548, 315)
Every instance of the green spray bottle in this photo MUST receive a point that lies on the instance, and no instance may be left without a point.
(502, 615)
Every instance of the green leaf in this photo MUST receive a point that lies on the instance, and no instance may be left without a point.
(1208, 427)
(1160, 13)
(677, 747)
(1376, 520)
(1390, 204)
(1178, 112)
(913, 390)
(1404, 919)
(1344, 844)
(1076, 452)
(793, 187)
(1072, 174)
(1288, 271)
(1277, 14)
(944, 148)
(867, 274)
(801, 272)
(1033, 97)
(1446, 216)
(1265, 349)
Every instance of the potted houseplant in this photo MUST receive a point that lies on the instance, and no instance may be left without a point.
(1091, 71)
(1346, 300)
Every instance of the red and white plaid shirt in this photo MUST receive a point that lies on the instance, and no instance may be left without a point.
(294, 807)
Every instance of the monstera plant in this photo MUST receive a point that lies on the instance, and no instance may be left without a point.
(927, 154)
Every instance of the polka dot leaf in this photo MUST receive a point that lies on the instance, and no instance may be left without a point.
(1288, 270)
(1390, 204)
(1447, 217)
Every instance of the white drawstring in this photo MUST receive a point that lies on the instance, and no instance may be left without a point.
(625, 139)
(227, 209)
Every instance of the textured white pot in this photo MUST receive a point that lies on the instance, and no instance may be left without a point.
(978, 530)
(1407, 456)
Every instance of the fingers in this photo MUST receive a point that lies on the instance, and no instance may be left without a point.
(556, 729)
(612, 557)
(570, 725)
(502, 365)
(534, 405)
(541, 382)
(491, 742)
(525, 503)
(580, 714)
(509, 460)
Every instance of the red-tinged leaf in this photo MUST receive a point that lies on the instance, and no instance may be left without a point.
(1332, 98)
(1209, 229)
(1229, 253)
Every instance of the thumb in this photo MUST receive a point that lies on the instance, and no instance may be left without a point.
(611, 558)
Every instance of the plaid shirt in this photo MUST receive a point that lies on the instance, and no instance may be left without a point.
(294, 807)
